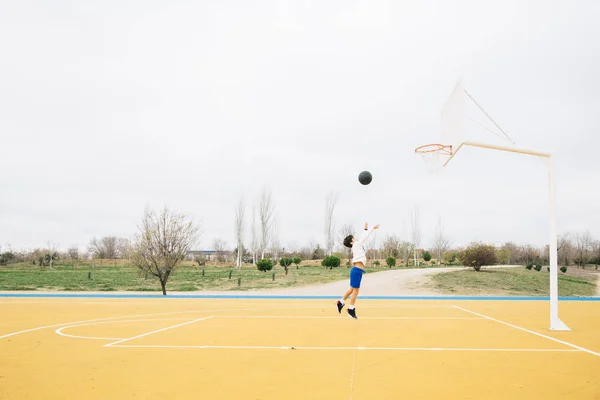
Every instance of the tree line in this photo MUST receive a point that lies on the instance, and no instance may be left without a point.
(165, 237)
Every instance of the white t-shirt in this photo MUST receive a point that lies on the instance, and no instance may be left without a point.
(359, 252)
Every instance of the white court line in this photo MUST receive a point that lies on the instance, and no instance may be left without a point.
(156, 331)
(61, 333)
(93, 320)
(337, 317)
(348, 348)
(151, 315)
(532, 332)
(352, 375)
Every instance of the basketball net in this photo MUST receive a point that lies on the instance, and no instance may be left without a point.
(434, 155)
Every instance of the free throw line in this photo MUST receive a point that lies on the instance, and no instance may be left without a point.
(156, 331)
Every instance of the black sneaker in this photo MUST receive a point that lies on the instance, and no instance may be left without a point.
(352, 313)
(340, 305)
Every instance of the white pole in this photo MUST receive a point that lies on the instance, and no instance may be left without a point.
(555, 323)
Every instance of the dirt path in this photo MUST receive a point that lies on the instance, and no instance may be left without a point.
(400, 282)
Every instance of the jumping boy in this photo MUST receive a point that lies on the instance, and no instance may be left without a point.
(359, 259)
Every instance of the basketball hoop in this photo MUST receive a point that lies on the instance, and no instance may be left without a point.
(434, 154)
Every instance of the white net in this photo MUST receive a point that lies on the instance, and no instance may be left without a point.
(434, 155)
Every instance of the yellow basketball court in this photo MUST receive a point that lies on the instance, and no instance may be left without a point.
(202, 348)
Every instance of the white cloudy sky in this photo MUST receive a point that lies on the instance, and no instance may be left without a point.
(106, 106)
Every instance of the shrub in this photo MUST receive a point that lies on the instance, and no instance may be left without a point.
(538, 267)
(265, 264)
(479, 254)
(285, 262)
(450, 257)
(426, 256)
(529, 265)
(376, 263)
(390, 261)
(331, 262)
(563, 269)
(6, 258)
(297, 261)
(548, 268)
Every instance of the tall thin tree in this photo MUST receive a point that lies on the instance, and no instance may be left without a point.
(240, 211)
(254, 240)
(266, 214)
(441, 243)
(330, 202)
(415, 231)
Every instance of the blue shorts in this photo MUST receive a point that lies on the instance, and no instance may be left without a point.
(355, 277)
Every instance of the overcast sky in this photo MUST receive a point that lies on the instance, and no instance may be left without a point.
(107, 106)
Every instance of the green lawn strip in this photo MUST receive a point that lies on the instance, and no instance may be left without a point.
(185, 278)
(512, 281)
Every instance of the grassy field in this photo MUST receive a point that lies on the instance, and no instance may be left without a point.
(185, 278)
(514, 281)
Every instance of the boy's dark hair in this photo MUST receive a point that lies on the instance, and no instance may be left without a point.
(348, 241)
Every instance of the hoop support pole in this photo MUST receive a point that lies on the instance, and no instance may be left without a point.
(502, 148)
(555, 323)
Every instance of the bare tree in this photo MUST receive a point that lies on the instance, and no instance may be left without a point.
(122, 247)
(346, 230)
(405, 250)
(391, 246)
(73, 253)
(529, 253)
(415, 231)
(330, 202)
(511, 252)
(583, 244)
(254, 240)
(239, 230)
(219, 246)
(371, 245)
(105, 248)
(564, 247)
(275, 245)
(596, 252)
(162, 243)
(441, 243)
(52, 252)
(266, 211)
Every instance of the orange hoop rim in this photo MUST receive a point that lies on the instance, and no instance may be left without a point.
(435, 148)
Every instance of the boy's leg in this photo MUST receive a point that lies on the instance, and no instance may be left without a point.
(340, 303)
(353, 298)
(347, 294)
(351, 311)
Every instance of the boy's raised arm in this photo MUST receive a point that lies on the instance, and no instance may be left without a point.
(366, 233)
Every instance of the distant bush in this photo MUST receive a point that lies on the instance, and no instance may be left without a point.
(529, 265)
(297, 261)
(390, 261)
(6, 258)
(563, 269)
(450, 257)
(285, 262)
(479, 254)
(376, 263)
(331, 262)
(265, 264)
(426, 256)
(538, 267)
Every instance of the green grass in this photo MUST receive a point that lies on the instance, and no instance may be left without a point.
(185, 278)
(512, 281)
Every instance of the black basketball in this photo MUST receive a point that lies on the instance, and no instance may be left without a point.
(365, 177)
